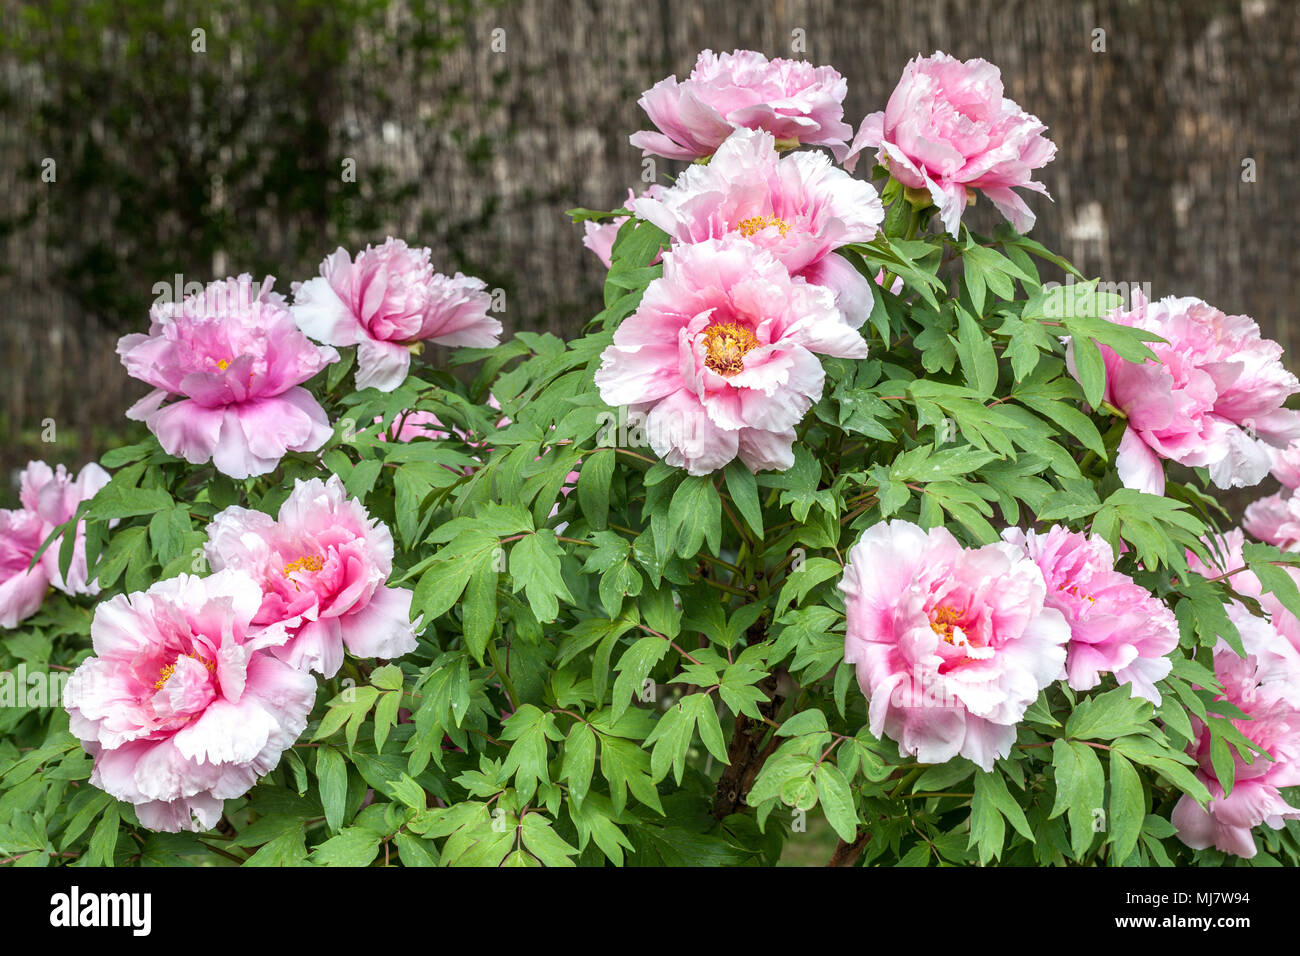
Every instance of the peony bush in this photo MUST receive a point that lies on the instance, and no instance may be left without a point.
(842, 524)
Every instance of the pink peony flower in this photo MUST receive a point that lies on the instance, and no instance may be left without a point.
(236, 360)
(1285, 465)
(322, 566)
(53, 495)
(1265, 685)
(1229, 562)
(21, 590)
(49, 499)
(895, 287)
(414, 425)
(1116, 626)
(387, 300)
(798, 207)
(793, 100)
(721, 355)
(1275, 520)
(948, 129)
(182, 707)
(951, 644)
(1214, 397)
(599, 236)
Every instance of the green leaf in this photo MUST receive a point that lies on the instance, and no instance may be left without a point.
(1092, 370)
(529, 728)
(479, 609)
(593, 487)
(1115, 713)
(695, 514)
(579, 760)
(413, 851)
(332, 778)
(1127, 807)
(1080, 788)
(837, 801)
(355, 846)
(633, 669)
(987, 828)
(743, 489)
(544, 843)
(289, 848)
(103, 841)
(535, 569)
(625, 765)
(975, 352)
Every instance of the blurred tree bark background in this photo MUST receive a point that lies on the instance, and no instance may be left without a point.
(142, 141)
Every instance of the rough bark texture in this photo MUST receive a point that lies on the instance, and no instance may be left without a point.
(848, 854)
(491, 145)
(747, 751)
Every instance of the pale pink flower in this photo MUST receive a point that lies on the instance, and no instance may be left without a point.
(1285, 464)
(1116, 626)
(796, 102)
(951, 644)
(1275, 520)
(721, 355)
(49, 498)
(22, 587)
(599, 236)
(1213, 397)
(322, 566)
(53, 495)
(236, 361)
(413, 425)
(182, 707)
(385, 302)
(799, 207)
(948, 129)
(895, 287)
(1228, 562)
(1265, 685)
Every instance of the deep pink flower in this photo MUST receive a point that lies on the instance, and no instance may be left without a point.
(948, 129)
(49, 498)
(182, 707)
(1214, 397)
(793, 100)
(385, 302)
(951, 644)
(722, 356)
(1116, 626)
(799, 207)
(1265, 685)
(322, 565)
(236, 360)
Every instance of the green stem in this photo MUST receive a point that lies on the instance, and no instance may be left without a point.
(506, 683)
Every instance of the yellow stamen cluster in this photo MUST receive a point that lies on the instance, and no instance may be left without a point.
(1073, 589)
(306, 563)
(755, 224)
(223, 364)
(165, 674)
(943, 620)
(725, 346)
